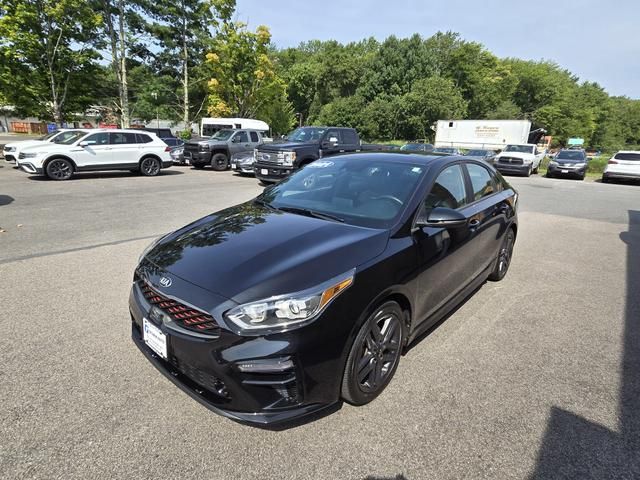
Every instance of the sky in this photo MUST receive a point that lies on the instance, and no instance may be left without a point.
(597, 40)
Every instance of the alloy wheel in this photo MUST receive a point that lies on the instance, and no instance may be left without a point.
(504, 258)
(59, 170)
(380, 352)
(150, 167)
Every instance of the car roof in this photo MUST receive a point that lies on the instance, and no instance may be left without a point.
(399, 156)
(628, 151)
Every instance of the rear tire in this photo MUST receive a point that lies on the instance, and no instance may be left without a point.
(150, 166)
(59, 169)
(219, 162)
(605, 179)
(504, 257)
(374, 355)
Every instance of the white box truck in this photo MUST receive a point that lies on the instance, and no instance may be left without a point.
(482, 134)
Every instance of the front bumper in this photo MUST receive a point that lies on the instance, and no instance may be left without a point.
(559, 170)
(198, 158)
(511, 168)
(30, 168)
(269, 172)
(242, 167)
(9, 156)
(205, 367)
(611, 173)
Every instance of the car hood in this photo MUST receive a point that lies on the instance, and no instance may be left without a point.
(280, 147)
(248, 252)
(26, 144)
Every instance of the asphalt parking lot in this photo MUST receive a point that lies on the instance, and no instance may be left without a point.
(537, 376)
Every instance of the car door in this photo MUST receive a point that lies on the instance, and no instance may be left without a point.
(487, 214)
(125, 149)
(239, 142)
(95, 152)
(254, 139)
(445, 255)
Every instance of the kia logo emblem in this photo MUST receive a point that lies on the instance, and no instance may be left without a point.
(165, 282)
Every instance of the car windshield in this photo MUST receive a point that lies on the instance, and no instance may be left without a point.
(366, 191)
(75, 135)
(66, 135)
(570, 155)
(477, 153)
(222, 134)
(413, 147)
(49, 135)
(306, 134)
(519, 148)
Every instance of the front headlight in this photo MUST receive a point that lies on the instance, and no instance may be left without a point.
(24, 155)
(580, 165)
(554, 163)
(204, 147)
(9, 149)
(285, 312)
(287, 157)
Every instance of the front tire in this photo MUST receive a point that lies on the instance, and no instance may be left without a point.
(374, 355)
(150, 166)
(528, 174)
(59, 169)
(504, 257)
(219, 162)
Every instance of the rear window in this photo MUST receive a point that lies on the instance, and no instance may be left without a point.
(142, 138)
(571, 155)
(628, 156)
(254, 137)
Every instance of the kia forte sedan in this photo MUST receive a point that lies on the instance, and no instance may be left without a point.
(285, 305)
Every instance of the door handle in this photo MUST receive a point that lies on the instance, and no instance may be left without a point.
(474, 223)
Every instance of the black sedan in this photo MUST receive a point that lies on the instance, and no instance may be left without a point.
(280, 307)
(568, 163)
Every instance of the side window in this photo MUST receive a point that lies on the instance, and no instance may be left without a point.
(98, 138)
(333, 134)
(449, 190)
(241, 137)
(482, 182)
(122, 138)
(254, 137)
(142, 138)
(349, 137)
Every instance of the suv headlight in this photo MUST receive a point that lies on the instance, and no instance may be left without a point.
(580, 165)
(554, 163)
(287, 157)
(9, 149)
(204, 147)
(286, 312)
(24, 155)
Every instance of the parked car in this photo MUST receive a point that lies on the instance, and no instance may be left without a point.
(523, 159)
(217, 150)
(177, 156)
(623, 165)
(486, 155)
(11, 151)
(568, 162)
(243, 163)
(446, 151)
(173, 141)
(276, 161)
(417, 147)
(108, 149)
(276, 308)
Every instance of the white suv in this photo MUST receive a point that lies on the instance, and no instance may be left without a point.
(11, 151)
(624, 164)
(112, 149)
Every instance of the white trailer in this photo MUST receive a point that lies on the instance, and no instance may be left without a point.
(481, 134)
(209, 126)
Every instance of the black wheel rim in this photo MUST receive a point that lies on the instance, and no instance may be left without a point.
(379, 353)
(504, 259)
(59, 169)
(150, 166)
(221, 162)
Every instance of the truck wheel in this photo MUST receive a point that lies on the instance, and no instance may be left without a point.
(535, 170)
(528, 174)
(219, 162)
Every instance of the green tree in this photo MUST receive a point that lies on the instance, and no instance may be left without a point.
(244, 81)
(48, 49)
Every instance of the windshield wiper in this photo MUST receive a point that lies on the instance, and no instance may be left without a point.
(311, 213)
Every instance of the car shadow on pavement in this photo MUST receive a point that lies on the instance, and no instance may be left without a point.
(397, 477)
(577, 448)
(109, 174)
(5, 200)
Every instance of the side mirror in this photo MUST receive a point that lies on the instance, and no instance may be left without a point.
(441, 217)
(86, 143)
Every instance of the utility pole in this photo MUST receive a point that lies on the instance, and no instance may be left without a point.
(155, 98)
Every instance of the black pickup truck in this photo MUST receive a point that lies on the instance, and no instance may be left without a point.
(274, 161)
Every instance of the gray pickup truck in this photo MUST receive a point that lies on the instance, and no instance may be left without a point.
(217, 150)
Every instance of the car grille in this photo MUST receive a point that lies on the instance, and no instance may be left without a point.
(266, 157)
(191, 147)
(511, 160)
(184, 316)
